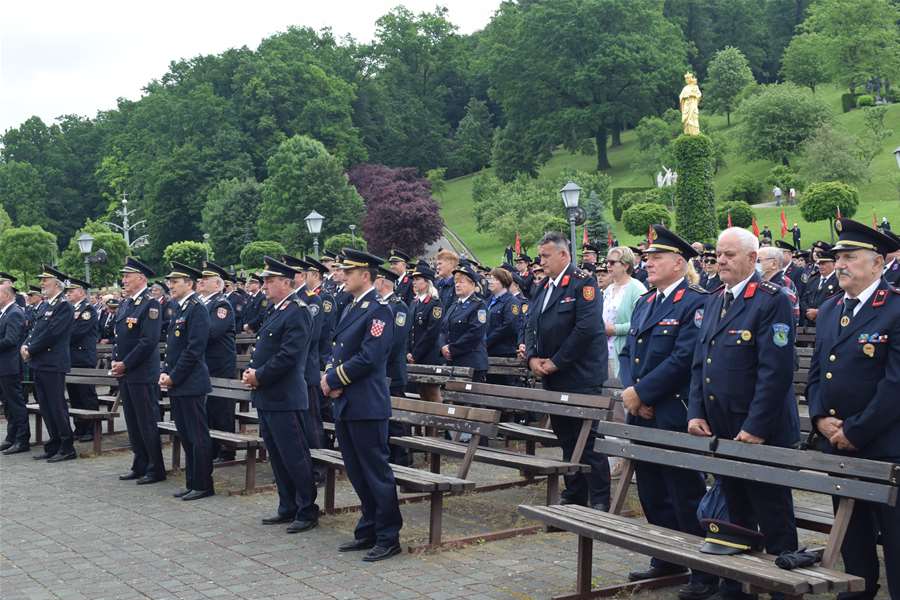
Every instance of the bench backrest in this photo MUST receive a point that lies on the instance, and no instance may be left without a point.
(229, 388)
(580, 406)
(465, 419)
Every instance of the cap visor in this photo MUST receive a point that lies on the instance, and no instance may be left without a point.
(711, 548)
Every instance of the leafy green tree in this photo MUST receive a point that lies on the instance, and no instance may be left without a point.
(639, 217)
(303, 177)
(822, 200)
(514, 153)
(745, 188)
(875, 132)
(438, 181)
(252, 254)
(833, 155)
(113, 244)
(741, 214)
(778, 119)
(573, 69)
(785, 178)
(188, 252)
(473, 139)
(5, 221)
(23, 193)
(24, 249)
(596, 224)
(229, 216)
(338, 242)
(802, 61)
(729, 74)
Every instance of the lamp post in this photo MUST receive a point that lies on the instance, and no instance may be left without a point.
(206, 245)
(353, 235)
(85, 244)
(126, 228)
(570, 194)
(897, 156)
(314, 224)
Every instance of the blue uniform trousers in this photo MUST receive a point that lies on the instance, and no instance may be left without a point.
(582, 488)
(286, 443)
(189, 413)
(49, 387)
(859, 547)
(17, 427)
(365, 450)
(141, 409)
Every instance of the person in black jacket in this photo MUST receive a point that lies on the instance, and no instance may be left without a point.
(108, 320)
(12, 332)
(396, 365)
(463, 329)
(83, 350)
(504, 322)
(186, 378)
(425, 319)
(257, 306)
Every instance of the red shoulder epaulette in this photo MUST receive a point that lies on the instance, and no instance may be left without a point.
(750, 290)
(678, 295)
(880, 298)
(565, 281)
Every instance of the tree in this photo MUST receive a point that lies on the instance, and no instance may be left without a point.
(833, 155)
(871, 143)
(400, 212)
(188, 252)
(303, 177)
(802, 61)
(860, 39)
(596, 224)
(741, 214)
(113, 244)
(5, 221)
(229, 216)
(778, 119)
(473, 138)
(438, 182)
(638, 219)
(24, 249)
(785, 178)
(729, 74)
(22, 193)
(513, 153)
(821, 201)
(252, 254)
(694, 196)
(338, 242)
(745, 188)
(574, 69)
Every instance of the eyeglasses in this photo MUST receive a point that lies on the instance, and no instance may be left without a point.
(613, 262)
(709, 261)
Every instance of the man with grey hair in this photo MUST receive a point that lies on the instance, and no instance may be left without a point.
(12, 332)
(772, 262)
(742, 384)
(47, 352)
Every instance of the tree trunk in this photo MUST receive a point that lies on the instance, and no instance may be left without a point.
(617, 135)
(602, 156)
(728, 118)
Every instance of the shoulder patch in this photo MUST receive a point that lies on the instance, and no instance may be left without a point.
(697, 288)
(86, 315)
(588, 292)
(515, 308)
(436, 312)
(221, 312)
(327, 306)
(400, 319)
(152, 313)
(768, 286)
(482, 315)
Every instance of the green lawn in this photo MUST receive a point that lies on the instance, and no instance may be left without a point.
(877, 195)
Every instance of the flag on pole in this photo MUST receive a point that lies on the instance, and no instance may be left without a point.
(518, 246)
(874, 221)
(755, 227)
(609, 236)
(649, 234)
(784, 227)
(584, 237)
(729, 218)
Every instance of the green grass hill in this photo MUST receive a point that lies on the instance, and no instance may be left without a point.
(877, 196)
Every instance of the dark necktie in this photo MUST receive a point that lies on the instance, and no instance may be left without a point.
(729, 298)
(656, 302)
(850, 305)
(347, 310)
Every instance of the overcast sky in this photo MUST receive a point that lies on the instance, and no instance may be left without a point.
(62, 57)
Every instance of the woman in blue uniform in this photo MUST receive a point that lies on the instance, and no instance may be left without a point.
(462, 339)
(426, 312)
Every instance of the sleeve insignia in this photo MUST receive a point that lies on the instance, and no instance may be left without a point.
(436, 312)
(326, 306)
(313, 309)
(86, 315)
(221, 312)
(524, 308)
(138, 301)
(364, 304)
(780, 334)
(482, 316)
(400, 319)
(153, 313)
(698, 318)
(588, 292)
(515, 309)
(377, 327)
(264, 303)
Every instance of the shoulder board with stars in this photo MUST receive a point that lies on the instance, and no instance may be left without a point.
(768, 286)
(697, 288)
(581, 273)
(300, 302)
(382, 301)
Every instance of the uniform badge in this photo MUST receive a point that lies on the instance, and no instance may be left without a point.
(264, 303)
(436, 312)
(365, 304)
(400, 319)
(588, 292)
(482, 316)
(698, 318)
(313, 309)
(221, 312)
(565, 281)
(845, 320)
(524, 309)
(326, 306)
(86, 316)
(177, 333)
(746, 335)
(377, 328)
(780, 334)
(869, 350)
(838, 226)
(153, 313)
(515, 309)
(138, 301)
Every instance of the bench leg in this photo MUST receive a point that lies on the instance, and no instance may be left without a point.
(98, 434)
(529, 447)
(552, 489)
(585, 558)
(329, 490)
(111, 425)
(618, 501)
(435, 461)
(435, 518)
(250, 474)
(838, 531)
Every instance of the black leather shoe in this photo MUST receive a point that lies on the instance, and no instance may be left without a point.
(61, 457)
(197, 494)
(16, 448)
(601, 507)
(87, 437)
(565, 500)
(697, 591)
(147, 479)
(298, 526)
(276, 519)
(129, 476)
(5, 445)
(654, 572)
(382, 553)
(42, 456)
(181, 493)
(356, 545)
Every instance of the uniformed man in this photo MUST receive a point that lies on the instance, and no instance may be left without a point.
(135, 362)
(742, 384)
(236, 297)
(852, 390)
(46, 350)
(256, 310)
(108, 320)
(356, 380)
(83, 353)
(566, 347)
(640, 270)
(523, 269)
(341, 296)
(7, 278)
(315, 283)
(820, 287)
(589, 253)
(655, 369)
(276, 376)
(446, 262)
(186, 379)
(328, 259)
(385, 283)
(892, 262)
(425, 316)
(771, 261)
(221, 351)
(12, 334)
(462, 339)
(791, 270)
(400, 262)
(33, 300)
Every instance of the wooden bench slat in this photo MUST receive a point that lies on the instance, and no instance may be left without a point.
(539, 395)
(469, 413)
(502, 458)
(523, 405)
(422, 481)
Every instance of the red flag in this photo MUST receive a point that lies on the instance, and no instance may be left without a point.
(838, 208)
(584, 237)
(609, 235)
(874, 221)
(649, 234)
(729, 218)
(518, 246)
(755, 228)
(784, 227)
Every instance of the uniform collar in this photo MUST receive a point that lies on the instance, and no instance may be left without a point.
(466, 299)
(5, 308)
(363, 295)
(668, 291)
(736, 290)
(556, 280)
(865, 294)
(183, 301)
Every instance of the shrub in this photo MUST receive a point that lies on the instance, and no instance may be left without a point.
(822, 200)
(617, 194)
(694, 197)
(338, 242)
(848, 102)
(640, 217)
(188, 252)
(741, 214)
(865, 100)
(252, 254)
(785, 178)
(745, 188)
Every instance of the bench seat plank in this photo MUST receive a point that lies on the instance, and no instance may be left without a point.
(420, 481)
(546, 437)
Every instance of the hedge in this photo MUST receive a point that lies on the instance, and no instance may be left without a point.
(695, 210)
(617, 194)
(848, 102)
(741, 214)
(640, 217)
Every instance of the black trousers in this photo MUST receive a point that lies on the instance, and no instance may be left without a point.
(141, 409)
(18, 429)
(285, 439)
(591, 488)
(83, 396)
(859, 548)
(189, 413)
(49, 387)
(220, 416)
(365, 450)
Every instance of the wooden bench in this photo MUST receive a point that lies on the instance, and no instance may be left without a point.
(97, 417)
(499, 365)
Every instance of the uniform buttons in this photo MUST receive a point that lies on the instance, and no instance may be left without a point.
(832, 412)
(638, 380)
(713, 343)
(739, 341)
(637, 360)
(828, 375)
(711, 397)
(709, 361)
(708, 380)
(640, 341)
(665, 331)
(832, 358)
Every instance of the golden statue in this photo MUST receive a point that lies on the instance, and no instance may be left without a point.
(689, 99)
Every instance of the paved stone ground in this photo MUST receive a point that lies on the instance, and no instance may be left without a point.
(72, 531)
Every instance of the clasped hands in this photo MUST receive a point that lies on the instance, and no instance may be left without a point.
(326, 389)
(701, 428)
(833, 429)
(632, 403)
(542, 367)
